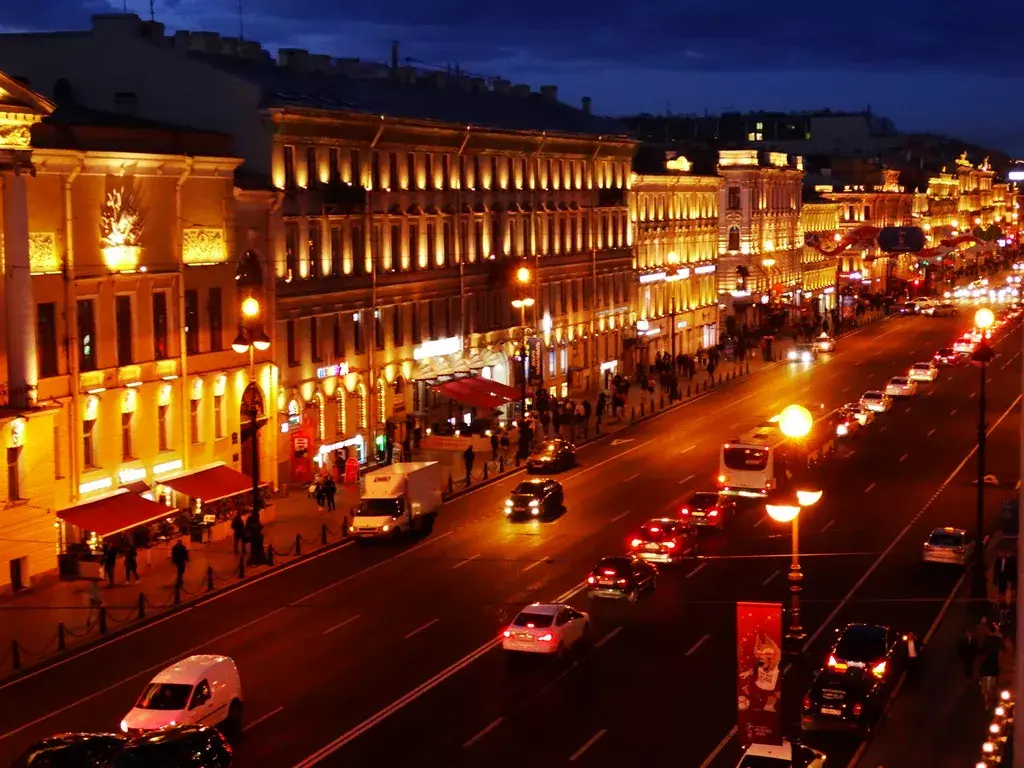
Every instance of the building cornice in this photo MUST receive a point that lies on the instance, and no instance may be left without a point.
(134, 163)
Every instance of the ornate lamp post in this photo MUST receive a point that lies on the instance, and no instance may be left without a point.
(982, 356)
(523, 278)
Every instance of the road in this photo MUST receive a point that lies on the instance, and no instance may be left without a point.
(387, 654)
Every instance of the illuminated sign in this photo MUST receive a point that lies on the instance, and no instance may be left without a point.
(167, 466)
(643, 325)
(654, 277)
(651, 332)
(437, 348)
(128, 476)
(96, 485)
(1015, 175)
(707, 269)
(340, 369)
(611, 365)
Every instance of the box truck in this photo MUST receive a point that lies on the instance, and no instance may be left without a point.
(398, 499)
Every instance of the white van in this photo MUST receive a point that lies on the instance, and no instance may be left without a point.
(199, 690)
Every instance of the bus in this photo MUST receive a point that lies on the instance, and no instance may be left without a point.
(754, 463)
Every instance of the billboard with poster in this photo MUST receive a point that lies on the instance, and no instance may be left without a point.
(759, 672)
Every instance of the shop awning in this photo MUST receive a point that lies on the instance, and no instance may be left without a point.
(112, 514)
(478, 391)
(211, 483)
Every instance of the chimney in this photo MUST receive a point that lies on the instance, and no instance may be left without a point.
(521, 90)
(586, 105)
(504, 87)
(394, 54)
(22, 368)
(293, 58)
(549, 92)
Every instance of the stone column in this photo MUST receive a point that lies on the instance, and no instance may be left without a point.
(22, 363)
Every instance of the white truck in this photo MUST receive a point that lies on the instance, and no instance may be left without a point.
(398, 499)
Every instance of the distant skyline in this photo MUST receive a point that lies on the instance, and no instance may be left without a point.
(930, 67)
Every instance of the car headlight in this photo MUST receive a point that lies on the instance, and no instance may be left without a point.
(124, 726)
(791, 356)
(534, 503)
(806, 357)
(842, 429)
(508, 502)
(385, 528)
(535, 511)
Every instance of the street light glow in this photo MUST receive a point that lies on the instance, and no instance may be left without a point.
(782, 513)
(768, 263)
(984, 318)
(523, 275)
(673, 257)
(250, 308)
(808, 498)
(795, 421)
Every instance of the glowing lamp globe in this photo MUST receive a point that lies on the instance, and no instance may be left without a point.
(808, 498)
(523, 275)
(984, 318)
(250, 307)
(795, 421)
(782, 513)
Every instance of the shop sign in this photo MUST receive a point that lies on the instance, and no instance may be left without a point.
(129, 476)
(338, 369)
(759, 680)
(707, 269)
(610, 365)
(643, 325)
(438, 348)
(534, 372)
(96, 485)
(653, 277)
(167, 466)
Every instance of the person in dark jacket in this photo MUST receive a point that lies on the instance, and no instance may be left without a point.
(238, 532)
(468, 457)
(110, 562)
(131, 564)
(179, 556)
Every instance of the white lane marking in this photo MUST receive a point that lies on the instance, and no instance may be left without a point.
(883, 428)
(590, 742)
(930, 433)
(828, 525)
(760, 521)
(367, 569)
(686, 479)
(929, 393)
(697, 645)
(467, 560)
(868, 489)
(259, 720)
(482, 733)
(347, 621)
(687, 450)
(973, 394)
(904, 457)
(696, 570)
(853, 451)
(633, 477)
(534, 564)
(874, 566)
(908, 409)
(846, 390)
(600, 643)
(953, 412)
(610, 459)
(416, 631)
(769, 580)
(619, 517)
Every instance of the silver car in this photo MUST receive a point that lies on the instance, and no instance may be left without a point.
(948, 546)
(876, 401)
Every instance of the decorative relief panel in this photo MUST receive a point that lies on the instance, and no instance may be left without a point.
(203, 245)
(43, 258)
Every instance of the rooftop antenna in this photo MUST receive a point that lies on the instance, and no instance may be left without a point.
(124, 6)
(152, 10)
(241, 24)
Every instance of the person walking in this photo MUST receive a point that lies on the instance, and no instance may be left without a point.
(110, 562)
(238, 532)
(131, 564)
(505, 442)
(586, 419)
(1004, 574)
(330, 492)
(495, 444)
(179, 556)
(468, 457)
(988, 670)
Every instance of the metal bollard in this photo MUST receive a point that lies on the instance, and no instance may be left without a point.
(15, 655)
(270, 554)
(641, 408)
(662, 400)
(241, 567)
(517, 459)
(501, 464)
(141, 609)
(632, 413)
(344, 527)
(61, 640)
(719, 379)
(298, 545)
(688, 389)
(209, 578)
(103, 618)
(748, 366)
(451, 484)
(177, 594)
(323, 533)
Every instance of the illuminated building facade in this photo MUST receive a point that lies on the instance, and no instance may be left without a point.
(120, 309)
(675, 214)
(760, 242)
(819, 222)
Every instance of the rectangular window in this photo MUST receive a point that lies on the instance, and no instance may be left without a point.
(332, 165)
(397, 331)
(430, 320)
(291, 249)
(375, 179)
(218, 416)
(378, 330)
(13, 473)
(733, 203)
(414, 244)
(315, 249)
(289, 166)
(89, 443)
(447, 308)
(411, 169)
(46, 338)
(428, 163)
(393, 170)
(357, 332)
(192, 322)
(315, 353)
(163, 428)
(86, 335)
(214, 308)
(290, 332)
(447, 241)
(312, 175)
(193, 421)
(563, 298)
(160, 326)
(414, 320)
(431, 242)
(126, 436)
(358, 249)
(339, 339)
(336, 251)
(357, 170)
(58, 452)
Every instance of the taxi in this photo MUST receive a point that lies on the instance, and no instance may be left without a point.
(824, 343)
(948, 546)
(901, 386)
(923, 372)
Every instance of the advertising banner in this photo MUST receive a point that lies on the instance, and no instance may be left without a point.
(302, 454)
(759, 672)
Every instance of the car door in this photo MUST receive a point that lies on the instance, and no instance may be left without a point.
(200, 706)
(564, 626)
(575, 625)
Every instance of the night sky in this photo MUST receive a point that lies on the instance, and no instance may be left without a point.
(930, 65)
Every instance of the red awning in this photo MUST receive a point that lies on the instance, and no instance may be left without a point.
(478, 391)
(210, 484)
(112, 514)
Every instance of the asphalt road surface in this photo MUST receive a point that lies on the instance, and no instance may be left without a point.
(380, 655)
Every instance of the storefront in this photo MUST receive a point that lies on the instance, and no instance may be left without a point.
(441, 361)
(209, 497)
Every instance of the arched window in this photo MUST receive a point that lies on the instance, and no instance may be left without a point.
(340, 399)
(362, 416)
(316, 414)
(382, 409)
(734, 238)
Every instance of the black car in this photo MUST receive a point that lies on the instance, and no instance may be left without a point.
(184, 747)
(843, 701)
(535, 498)
(622, 578)
(869, 649)
(552, 456)
(707, 508)
(946, 356)
(181, 747)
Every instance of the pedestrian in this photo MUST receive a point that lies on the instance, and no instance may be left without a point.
(586, 419)
(131, 564)
(711, 372)
(968, 651)
(988, 670)
(495, 444)
(1007, 664)
(331, 492)
(1004, 573)
(468, 457)
(179, 556)
(407, 447)
(254, 532)
(93, 599)
(505, 442)
(109, 562)
(238, 531)
(320, 494)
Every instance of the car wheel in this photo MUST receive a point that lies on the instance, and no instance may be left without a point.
(634, 595)
(560, 651)
(233, 722)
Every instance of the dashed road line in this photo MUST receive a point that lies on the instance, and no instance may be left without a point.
(696, 570)
(600, 643)
(930, 433)
(590, 742)
(904, 457)
(347, 621)
(870, 487)
(259, 720)
(416, 631)
(828, 525)
(467, 560)
(686, 479)
(953, 412)
(619, 517)
(760, 521)
(534, 564)
(696, 646)
(768, 581)
(483, 732)
(633, 477)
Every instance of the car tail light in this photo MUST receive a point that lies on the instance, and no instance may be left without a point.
(807, 701)
(607, 572)
(836, 664)
(507, 633)
(713, 512)
(857, 709)
(545, 638)
(591, 579)
(721, 478)
(655, 530)
(684, 511)
(621, 581)
(879, 669)
(670, 544)
(636, 542)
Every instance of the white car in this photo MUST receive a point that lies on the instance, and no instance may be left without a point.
(876, 401)
(923, 372)
(964, 346)
(949, 546)
(779, 756)
(802, 353)
(901, 386)
(825, 344)
(199, 690)
(863, 414)
(546, 628)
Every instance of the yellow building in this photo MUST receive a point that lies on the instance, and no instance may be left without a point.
(675, 213)
(819, 222)
(120, 309)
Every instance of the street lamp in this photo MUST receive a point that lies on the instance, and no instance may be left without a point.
(768, 263)
(673, 260)
(982, 356)
(521, 305)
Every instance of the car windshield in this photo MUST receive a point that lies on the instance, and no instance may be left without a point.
(379, 508)
(657, 531)
(872, 396)
(534, 620)
(761, 761)
(861, 644)
(805, 347)
(528, 489)
(899, 381)
(736, 457)
(164, 696)
(945, 352)
(701, 500)
(922, 367)
(944, 539)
